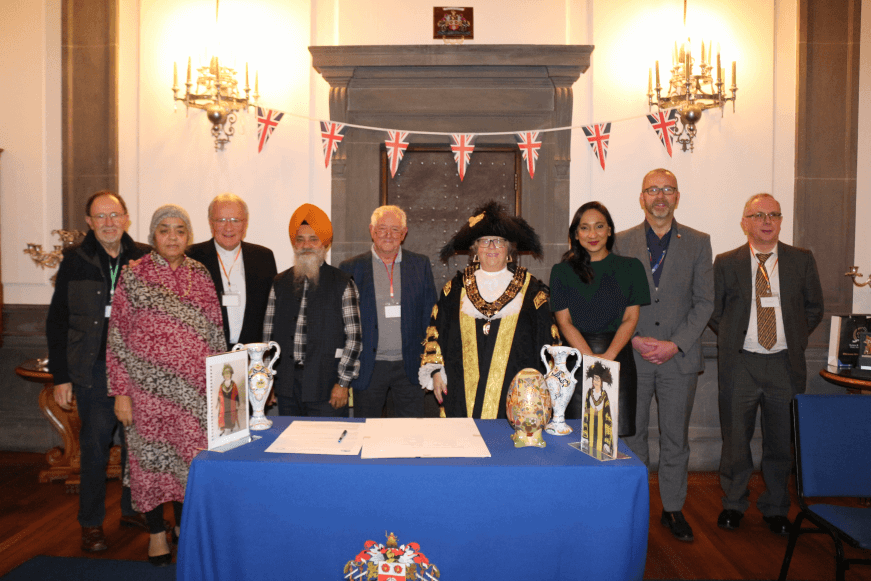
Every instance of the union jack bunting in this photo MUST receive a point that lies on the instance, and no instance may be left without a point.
(598, 137)
(267, 121)
(665, 125)
(464, 144)
(331, 135)
(396, 146)
(529, 144)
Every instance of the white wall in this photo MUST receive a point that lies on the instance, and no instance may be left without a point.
(168, 155)
(30, 135)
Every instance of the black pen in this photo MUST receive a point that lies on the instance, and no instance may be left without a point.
(345, 433)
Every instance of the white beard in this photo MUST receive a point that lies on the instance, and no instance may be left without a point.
(308, 265)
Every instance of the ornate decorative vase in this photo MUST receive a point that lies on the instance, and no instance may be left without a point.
(259, 380)
(560, 383)
(528, 408)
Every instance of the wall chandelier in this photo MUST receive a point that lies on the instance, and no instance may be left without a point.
(217, 92)
(692, 87)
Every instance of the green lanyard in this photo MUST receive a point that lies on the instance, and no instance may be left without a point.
(113, 274)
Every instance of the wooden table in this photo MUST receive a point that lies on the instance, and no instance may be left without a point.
(64, 463)
(855, 380)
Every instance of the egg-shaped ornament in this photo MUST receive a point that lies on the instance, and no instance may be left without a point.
(528, 407)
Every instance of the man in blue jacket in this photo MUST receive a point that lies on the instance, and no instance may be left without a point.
(397, 294)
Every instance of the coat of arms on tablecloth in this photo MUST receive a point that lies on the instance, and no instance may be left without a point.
(391, 562)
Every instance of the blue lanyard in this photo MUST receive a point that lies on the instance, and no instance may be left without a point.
(658, 264)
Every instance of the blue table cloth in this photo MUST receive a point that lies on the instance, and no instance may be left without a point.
(524, 513)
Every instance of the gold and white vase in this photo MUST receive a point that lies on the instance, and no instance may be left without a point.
(260, 377)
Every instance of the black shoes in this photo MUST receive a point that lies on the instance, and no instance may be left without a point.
(678, 525)
(729, 519)
(778, 524)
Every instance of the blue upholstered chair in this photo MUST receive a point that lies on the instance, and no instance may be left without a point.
(833, 459)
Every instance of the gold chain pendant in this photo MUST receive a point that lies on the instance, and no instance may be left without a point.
(487, 328)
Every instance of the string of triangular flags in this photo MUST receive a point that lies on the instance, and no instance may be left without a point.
(598, 135)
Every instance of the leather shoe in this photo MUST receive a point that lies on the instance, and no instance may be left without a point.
(678, 525)
(729, 519)
(135, 520)
(778, 524)
(160, 560)
(93, 539)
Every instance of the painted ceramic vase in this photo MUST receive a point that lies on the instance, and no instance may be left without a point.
(260, 376)
(528, 408)
(560, 383)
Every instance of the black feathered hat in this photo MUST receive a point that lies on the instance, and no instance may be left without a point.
(491, 219)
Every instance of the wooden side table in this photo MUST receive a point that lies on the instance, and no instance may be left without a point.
(855, 380)
(64, 463)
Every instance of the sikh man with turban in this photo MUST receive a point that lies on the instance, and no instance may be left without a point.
(313, 313)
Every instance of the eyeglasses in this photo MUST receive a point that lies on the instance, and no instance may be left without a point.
(496, 242)
(384, 231)
(222, 221)
(113, 215)
(667, 190)
(760, 216)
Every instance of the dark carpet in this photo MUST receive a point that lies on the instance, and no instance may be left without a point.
(82, 569)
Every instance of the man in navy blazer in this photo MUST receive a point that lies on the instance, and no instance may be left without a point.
(768, 300)
(397, 294)
(242, 272)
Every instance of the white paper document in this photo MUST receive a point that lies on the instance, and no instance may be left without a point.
(304, 437)
(423, 438)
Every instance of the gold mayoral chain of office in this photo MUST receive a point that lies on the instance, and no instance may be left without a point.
(490, 309)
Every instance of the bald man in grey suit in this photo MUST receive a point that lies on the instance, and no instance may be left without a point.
(667, 342)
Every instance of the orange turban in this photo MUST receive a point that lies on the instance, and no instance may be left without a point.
(314, 217)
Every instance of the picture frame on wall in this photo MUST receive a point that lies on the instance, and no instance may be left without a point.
(453, 24)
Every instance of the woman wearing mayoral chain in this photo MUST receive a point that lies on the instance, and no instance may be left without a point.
(491, 319)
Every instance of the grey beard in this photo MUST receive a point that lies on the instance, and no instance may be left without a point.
(308, 266)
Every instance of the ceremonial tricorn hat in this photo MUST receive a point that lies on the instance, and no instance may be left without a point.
(491, 219)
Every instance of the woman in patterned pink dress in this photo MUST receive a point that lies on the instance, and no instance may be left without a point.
(165, 321)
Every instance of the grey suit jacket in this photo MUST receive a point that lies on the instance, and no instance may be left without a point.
(801, 302)
(680, 308)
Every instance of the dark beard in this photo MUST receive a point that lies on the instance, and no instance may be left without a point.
(308, 266)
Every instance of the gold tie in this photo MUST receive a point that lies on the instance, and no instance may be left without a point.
(766, 326)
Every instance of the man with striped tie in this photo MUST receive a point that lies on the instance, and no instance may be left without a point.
(767, 301)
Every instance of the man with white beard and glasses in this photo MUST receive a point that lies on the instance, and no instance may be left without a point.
(313, 314)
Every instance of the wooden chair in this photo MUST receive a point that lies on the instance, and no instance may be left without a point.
(833, 459)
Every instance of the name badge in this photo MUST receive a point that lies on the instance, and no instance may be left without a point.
(392, 311)
(338, 353)
(108, 311)
(769, 302)
(231, 300)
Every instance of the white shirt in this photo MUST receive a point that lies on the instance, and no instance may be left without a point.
(772, 266)
(235, 267)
